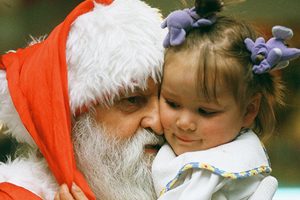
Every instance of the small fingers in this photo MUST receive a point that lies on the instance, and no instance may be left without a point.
(77, 192)
(63, 193)
(57, 197)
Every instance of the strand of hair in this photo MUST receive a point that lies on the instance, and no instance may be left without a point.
(233, 2)
(184, 3)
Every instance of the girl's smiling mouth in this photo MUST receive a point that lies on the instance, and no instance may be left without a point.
(185, 140)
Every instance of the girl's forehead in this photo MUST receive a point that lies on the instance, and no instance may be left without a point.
(213, 91)
(213, 72)
(186, 56)
(189, 83)
(180, 65)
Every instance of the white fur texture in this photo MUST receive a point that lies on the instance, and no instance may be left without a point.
(9, 115)
(104, 55)
(111, 48)
(32, 174)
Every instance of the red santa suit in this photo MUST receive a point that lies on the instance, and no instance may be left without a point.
(10, 191)
(42, 85)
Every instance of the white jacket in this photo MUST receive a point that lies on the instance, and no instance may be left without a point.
(230, 171)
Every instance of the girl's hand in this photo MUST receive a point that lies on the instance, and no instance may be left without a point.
(64, 193)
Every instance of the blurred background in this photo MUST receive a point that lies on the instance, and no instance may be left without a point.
(21, 18)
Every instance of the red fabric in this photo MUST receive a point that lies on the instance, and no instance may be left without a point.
(38, 84)
(9, 191)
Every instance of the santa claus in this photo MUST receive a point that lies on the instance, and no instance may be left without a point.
(96, 76)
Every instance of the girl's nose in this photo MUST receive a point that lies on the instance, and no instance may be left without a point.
(186, 122)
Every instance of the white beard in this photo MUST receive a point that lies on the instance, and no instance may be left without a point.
(115, 169)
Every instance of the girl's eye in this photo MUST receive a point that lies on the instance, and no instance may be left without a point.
(172, 104)
(205, 112)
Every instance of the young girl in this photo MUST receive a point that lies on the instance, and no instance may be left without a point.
(217, 99)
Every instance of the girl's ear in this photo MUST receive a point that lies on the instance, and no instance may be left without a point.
(252, 110)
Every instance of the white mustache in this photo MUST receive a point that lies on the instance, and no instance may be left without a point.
(155, 141)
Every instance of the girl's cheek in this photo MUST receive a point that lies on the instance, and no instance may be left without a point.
(167, 122)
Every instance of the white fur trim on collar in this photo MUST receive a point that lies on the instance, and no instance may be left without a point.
(32, 174)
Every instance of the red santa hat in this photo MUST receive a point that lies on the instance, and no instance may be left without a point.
(100, 48)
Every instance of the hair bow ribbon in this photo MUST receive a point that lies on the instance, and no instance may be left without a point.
(180, 22)
(276, 52)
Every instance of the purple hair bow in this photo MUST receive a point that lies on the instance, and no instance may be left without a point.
(181, 21)
(277, 54)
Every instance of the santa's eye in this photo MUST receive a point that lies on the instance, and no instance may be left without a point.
(131, 99)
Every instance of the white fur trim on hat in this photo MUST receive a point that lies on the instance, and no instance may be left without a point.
(111, 48)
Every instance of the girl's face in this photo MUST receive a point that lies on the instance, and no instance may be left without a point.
(190, 122)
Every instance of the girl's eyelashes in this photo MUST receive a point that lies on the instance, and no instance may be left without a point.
(205, 112)
(172, 104)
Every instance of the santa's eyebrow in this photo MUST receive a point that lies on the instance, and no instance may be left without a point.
(129, 92)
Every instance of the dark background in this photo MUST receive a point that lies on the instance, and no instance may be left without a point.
(20, 18)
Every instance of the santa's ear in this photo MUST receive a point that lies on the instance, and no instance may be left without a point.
(252, 109)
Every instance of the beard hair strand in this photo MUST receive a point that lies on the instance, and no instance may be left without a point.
(114, 168)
